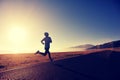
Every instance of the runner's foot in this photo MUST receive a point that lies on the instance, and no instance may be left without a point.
(37, 52)
(51, 60)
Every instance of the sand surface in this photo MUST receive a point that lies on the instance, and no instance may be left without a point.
(10, 61)
(100, 65)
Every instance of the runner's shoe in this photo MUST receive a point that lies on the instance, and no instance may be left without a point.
(37, 52)
(51, 60)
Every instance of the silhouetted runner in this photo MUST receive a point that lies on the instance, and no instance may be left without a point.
(46, 41)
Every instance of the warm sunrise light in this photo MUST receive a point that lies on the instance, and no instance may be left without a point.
(69, 23)
(17, 35)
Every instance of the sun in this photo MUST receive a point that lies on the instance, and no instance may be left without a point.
(17, 35)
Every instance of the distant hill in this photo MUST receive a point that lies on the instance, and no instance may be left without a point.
(112, 44)
(86, 46)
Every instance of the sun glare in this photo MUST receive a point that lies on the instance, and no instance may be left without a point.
(17, 35)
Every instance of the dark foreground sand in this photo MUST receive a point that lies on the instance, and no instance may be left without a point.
(103, 65)
(10, 61)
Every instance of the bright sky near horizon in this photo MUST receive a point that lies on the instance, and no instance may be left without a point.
(69, 23)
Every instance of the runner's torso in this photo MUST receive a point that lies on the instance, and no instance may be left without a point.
(47, 42)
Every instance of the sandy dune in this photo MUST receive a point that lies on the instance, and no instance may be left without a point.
(102, 65)
(9, 61)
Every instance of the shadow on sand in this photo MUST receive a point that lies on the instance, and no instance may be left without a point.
(104, 65)
(1, 66)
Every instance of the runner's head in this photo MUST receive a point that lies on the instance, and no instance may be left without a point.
(46, 34)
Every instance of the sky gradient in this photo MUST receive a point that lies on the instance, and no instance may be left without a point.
(69, 23)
